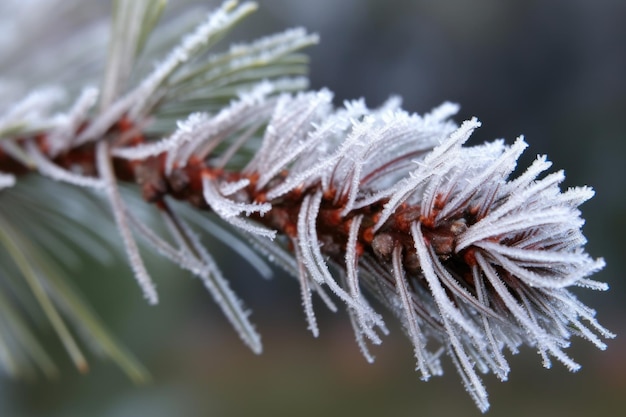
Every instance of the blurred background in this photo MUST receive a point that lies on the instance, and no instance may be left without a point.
(554, 71)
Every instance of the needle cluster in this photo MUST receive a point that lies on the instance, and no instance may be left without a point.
(356, 202)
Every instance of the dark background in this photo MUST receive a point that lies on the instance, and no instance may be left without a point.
(551, 70)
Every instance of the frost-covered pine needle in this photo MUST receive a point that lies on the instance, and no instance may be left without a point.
(103, 160)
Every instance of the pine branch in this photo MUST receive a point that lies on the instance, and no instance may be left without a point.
(362, 202)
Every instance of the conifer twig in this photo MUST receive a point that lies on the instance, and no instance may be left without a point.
(362, 202)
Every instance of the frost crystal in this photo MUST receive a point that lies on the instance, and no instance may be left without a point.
(479, 261)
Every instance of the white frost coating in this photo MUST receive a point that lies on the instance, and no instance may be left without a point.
(530, 198)
(135, 102)
(360, 340)
(250, 108)
(249, 56)
(565, 277)
(33, 111)
(571, 265)
(66, 124)
(55, 172)
(486, 263)
(319, 164)
(227, 208)
(128, 25)
(574, 308)
(6, 180)
(390, 138)
(275, 254)
(229, 188)
(441, 113)
(514, 223)
(446, 307)
(310, 247)
(306, 241)
(183, 134)
(305, 290)
(472, 382)
(318, 269)
(159, 244)
(365, 324)
(538, 166)
(457, 290)
(502, 367)
(230, 210)
(425, 169)
(592, 284)
(287, 135)
(104, 121)
(207, 270)
(500, 168)
(236, 244)
(411, 321)
(103, 163)
(271, 47)
(543, 340)
(216, 22)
